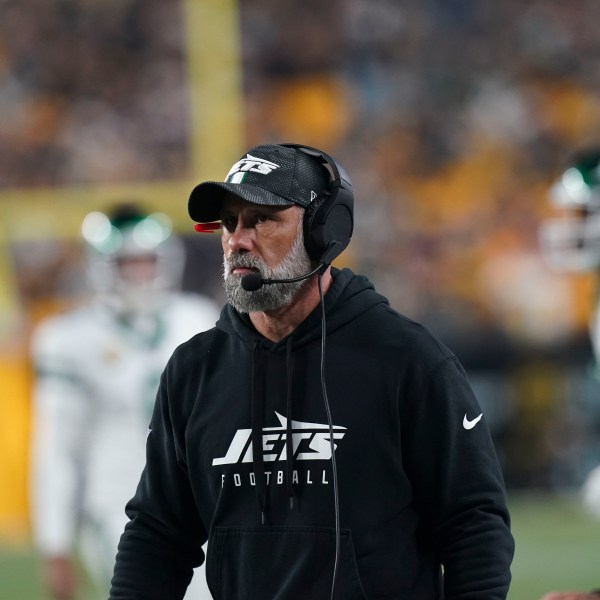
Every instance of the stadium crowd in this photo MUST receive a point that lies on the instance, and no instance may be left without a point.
(454, 118)
(91, 92)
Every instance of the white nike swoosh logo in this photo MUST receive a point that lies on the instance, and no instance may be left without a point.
(470, 424)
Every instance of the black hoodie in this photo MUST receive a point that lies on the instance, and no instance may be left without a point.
(419, 481)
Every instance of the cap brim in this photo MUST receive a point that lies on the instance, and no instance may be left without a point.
(206, 199)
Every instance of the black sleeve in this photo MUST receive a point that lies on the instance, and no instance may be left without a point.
(458, 485)
(162, 542)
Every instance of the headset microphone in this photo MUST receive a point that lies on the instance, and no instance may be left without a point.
(253, 281)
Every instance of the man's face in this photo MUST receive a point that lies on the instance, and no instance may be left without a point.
(263, 239)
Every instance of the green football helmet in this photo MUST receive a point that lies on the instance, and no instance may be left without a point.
(133, 258)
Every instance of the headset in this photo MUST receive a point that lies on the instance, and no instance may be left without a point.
(327, 225)
(329, 219)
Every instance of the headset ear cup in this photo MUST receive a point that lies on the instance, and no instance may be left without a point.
(312, 243)
(328, 224)
(329, 219)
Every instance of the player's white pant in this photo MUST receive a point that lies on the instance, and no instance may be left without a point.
(591, 492)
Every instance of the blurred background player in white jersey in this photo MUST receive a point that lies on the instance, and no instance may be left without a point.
(570, 242)
(97, 372)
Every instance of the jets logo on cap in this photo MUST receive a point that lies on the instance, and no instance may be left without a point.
(249, 164)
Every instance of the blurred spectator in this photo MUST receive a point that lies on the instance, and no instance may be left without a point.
(91, 92)
(97, 371)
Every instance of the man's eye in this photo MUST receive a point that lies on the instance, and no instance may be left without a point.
(229, 223)
(262, 219)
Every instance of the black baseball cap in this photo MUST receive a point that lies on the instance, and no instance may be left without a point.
(268, 174)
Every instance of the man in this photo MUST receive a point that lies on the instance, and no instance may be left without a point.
(323, 444)
(570, 241)
(97, 371)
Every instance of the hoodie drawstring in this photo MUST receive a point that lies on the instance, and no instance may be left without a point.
(258, 393)
(257, 416)
(289, 445)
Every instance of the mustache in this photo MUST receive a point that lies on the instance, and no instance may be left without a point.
(244, 261)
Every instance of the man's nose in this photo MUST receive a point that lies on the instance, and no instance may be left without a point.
(241, 239)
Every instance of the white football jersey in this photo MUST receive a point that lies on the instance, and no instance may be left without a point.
(96, 380)
(590, 492)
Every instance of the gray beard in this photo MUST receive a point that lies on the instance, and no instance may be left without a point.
(269, 297)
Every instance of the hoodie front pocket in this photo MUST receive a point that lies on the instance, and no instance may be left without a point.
(281, 563)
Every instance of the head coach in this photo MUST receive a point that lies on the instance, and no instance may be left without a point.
(325, 445)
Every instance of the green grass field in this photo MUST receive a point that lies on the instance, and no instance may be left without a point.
(558, 547)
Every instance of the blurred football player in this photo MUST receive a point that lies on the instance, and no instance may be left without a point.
(97, 372)
(571, 242)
